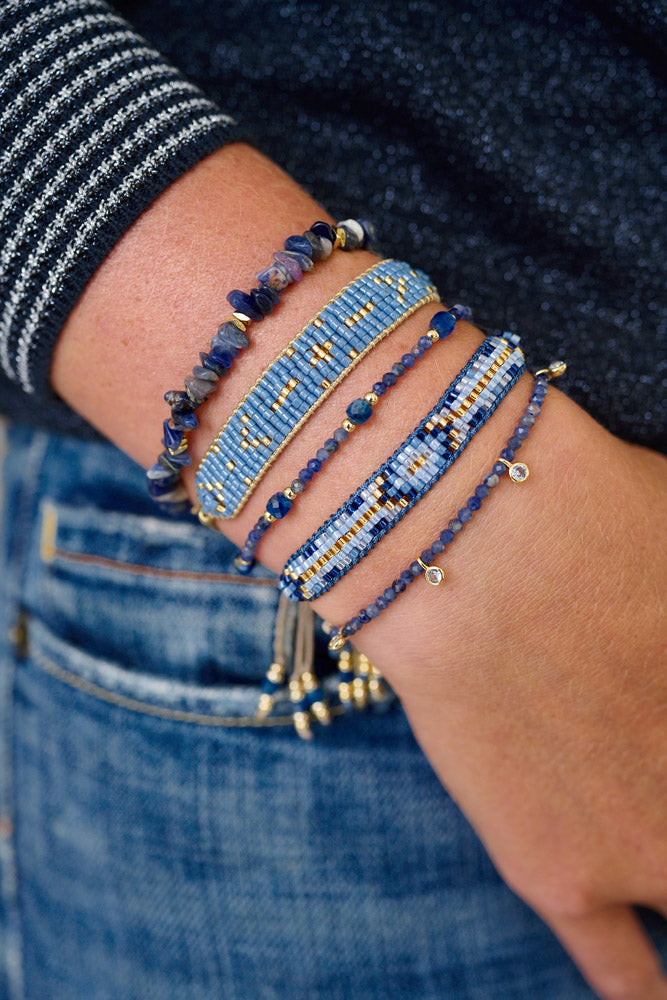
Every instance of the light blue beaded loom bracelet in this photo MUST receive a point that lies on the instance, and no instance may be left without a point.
(419, 462)
(300, 378)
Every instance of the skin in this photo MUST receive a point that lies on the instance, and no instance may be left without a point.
(534, 676)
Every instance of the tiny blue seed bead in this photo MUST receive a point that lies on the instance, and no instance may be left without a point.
(297, 486)
(331, 445)
(443, 323)
(447, 536)
(379, 388)
(417, 351)
(461, 312)
(340, 435)
(348, 630)
(533, 409)
(537, 400)
(314, 465)
(527, 420)
(305, 475)
(254, 535)
(465, 514)
(521, 432)
(425, 342)
(514, 442)
(474, 503)
(482, 491)
(455, 525)
(363, 616)
(408, 360)
(500, 469)
(398, 369)
(389, 379)
(359, 411)
(427, 556)
(406, 576)
(381, 602)
(322, 455)
(415, 570)
(438, 547)
(398, 586)
(492, 479)
(372, 610)
(507, 454)
(389, 594)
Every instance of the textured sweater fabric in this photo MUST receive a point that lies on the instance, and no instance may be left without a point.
(512, 150)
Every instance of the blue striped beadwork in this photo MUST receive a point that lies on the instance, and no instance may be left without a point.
(299, 379)
(419, 462)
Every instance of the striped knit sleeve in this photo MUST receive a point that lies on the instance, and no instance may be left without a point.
(94, 124)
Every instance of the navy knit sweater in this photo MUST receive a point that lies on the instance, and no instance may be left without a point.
(511, 149)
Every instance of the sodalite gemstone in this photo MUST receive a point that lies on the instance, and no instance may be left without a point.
(172, 435)
(359, 411)
(279, 505)
(230, 339)
(290, 265)
(242, 302)
(443, 323)
(275, 276)
(301, 244)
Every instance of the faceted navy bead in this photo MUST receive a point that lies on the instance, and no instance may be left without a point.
(514, 443)
(438, 547)
(406, 576)
(426, 343)
(172, 435)
(290, 265)
(464, 515)
(359, 411)
(323, 229)
(398, 586)
(474, 503)
(389, 379)
(340, 435)
(447, 536)
(316, 247)
(379, 388)
(492, 479)
(417, 351)
(230, 338)
(536, 400)
(372, 610)
(482, 491)
(314, 465)
(533, 409)
(348, 630)
(427, 556)
(275, 276)
(507, 454)
(389, 594)
(415, 570)
(455, 525)
(364, 616)
(527, 420)
(499, 469)
(461, 312)
(331, 445)
(254, 535)
(398, 369)
(408, 360)
(298, 243)
(381, 602)
(521, 432)
(305, 475)
(279, 505)
(443, 323)
(297, 486)
(242, 302)
(322, 455)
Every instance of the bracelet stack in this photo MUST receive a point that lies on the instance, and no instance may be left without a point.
(276, 407)
(299, 254)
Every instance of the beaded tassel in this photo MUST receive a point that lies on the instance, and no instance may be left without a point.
(518, 472)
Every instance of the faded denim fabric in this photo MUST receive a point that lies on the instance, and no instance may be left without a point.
(154, 843)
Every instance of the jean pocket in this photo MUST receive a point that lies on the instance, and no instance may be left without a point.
(157, 598)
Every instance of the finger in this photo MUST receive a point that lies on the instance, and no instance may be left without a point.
(614, 954)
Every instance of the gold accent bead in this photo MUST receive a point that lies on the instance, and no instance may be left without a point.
(241, 320)
(433, 335)
(336, 642)
(348, 426)
(289, 493)
(205, 518)
(341, 238)
(371, 397)
(268, 517)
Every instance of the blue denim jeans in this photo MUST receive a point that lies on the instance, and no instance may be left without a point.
(155, 843)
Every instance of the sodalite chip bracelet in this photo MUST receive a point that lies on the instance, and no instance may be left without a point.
(423, 565)
(358, 412)
(407, 475)
(288, 265)
(301, 377)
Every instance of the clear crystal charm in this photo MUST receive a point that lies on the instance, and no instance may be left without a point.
(519, 472)
(434, 575)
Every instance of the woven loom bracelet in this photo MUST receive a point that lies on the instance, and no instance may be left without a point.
(301, 377)
(407, 475)
(288, 265)
(422, 566)
(358, 412)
